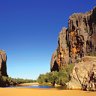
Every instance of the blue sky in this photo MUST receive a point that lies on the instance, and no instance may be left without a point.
(29, 32)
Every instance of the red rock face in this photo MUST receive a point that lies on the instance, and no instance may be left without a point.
(76, 41)
(3, 67)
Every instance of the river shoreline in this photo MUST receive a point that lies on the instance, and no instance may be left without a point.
(20, 91)
(28, 84)
(43, 92)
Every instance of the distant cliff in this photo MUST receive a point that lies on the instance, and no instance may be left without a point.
(76, 41)
(3, 66)
(4, 79)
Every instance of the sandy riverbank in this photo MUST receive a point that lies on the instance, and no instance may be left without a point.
(28, 84)
(43, 92)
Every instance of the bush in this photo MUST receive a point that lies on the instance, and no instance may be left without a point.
(63, 77)
(20, 80)
(42, 78)
(6, 81)
(54, 77)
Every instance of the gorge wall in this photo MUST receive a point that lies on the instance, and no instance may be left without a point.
(76, 41)
(5, 81)
(3, 66)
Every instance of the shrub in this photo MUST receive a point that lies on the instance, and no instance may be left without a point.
(54, 77)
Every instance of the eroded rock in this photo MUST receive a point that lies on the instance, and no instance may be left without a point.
(84, 75)
(74, 44)
(3, 66)
(76, 41)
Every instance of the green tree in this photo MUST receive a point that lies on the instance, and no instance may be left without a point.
(63, 77)
(53, 76)
(42, 78)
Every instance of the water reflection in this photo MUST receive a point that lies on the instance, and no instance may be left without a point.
(33, 86)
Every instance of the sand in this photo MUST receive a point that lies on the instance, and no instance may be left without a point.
(28, 84)
(43, 92)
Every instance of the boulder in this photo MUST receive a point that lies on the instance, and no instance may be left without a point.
(84, 75)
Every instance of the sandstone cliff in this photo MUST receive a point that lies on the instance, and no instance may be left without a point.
(76, 41)
(3, 66)
(5, 81)
(75, 44)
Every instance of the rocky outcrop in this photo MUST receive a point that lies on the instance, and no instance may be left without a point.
(3, 69)
(61, 56)
(76, 41)
(3, 66)
(5, 81)
(75, 44)
(84, 75)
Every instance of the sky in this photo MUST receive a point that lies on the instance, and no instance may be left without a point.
(29, 32)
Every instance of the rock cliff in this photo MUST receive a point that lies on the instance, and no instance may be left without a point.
(76, 41)
(84, 74)
(3, 66)
(5, 81)
(75, 44)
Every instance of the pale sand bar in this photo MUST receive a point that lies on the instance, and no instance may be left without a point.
(43, 92)
(28, 84)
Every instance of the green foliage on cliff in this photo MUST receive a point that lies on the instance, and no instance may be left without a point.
(54, 77)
